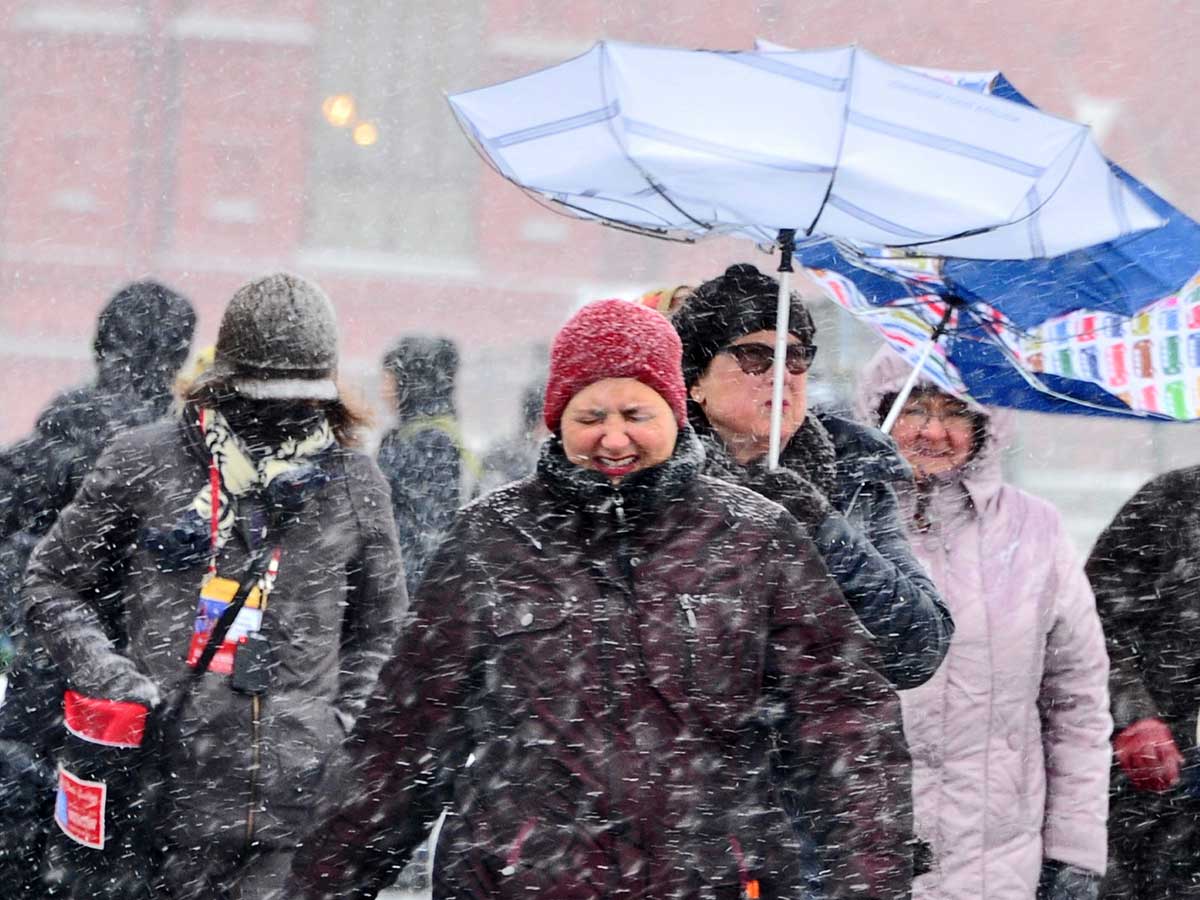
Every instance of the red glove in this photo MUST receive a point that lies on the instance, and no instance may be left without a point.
(1147, 753)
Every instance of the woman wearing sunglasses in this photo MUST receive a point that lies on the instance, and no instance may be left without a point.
(835, 476)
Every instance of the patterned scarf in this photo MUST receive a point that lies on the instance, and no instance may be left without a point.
(241, 473)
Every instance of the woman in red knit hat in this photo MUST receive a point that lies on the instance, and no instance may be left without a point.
(606, 661)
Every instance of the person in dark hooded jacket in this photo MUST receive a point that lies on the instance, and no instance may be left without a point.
(254, 483)
(1145, 570)
(604, 660)
(143, 336)
(835, 476)
(422, 456)
(515, 456)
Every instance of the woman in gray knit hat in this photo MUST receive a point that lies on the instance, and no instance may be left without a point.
(254, 498)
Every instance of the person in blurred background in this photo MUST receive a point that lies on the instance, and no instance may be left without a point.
(423, 455)
(601, 661)
(253, 486)
(143, 336)
(837, 477)
(1009, 738)
(1145, 570)
(516, 456)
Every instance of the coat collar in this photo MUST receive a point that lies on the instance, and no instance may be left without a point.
(637, 496)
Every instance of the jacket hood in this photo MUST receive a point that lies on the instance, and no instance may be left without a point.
(143, 336)
(885, 375)
(425, 369)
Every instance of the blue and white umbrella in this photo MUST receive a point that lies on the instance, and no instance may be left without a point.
(778, 145)
(1109, 329)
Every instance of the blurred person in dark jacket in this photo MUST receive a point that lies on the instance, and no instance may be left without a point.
(1145, 571)
(422, 456)
(143, 336)
(606, 662)
(254, 482)
(515, 456)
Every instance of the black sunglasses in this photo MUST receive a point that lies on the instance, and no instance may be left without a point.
(754, 359)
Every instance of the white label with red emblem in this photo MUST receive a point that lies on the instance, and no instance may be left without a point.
(79, 809)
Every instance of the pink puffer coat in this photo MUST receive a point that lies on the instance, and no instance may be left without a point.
(1009, 739)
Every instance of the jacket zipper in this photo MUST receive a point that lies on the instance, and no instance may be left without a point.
(255, 760)
(688, 610)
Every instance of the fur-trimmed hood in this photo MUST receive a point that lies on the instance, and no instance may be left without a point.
(982, 476)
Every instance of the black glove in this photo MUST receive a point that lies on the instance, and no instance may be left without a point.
(789, 489)
(1061, 881)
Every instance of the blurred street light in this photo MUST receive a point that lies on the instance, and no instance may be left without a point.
(365, 134)
(338, 110)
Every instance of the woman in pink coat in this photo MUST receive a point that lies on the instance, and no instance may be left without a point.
(1009, 739)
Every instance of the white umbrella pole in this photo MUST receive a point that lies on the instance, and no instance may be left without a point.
(910, 383)
(783, 309)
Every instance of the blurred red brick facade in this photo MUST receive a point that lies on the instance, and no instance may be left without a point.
(185, 141)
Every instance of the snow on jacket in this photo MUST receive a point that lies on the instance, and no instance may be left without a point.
(863, 541)
(1145, 569)
(331, 620)
(1010, 737)
(591, 679)
(142, 338)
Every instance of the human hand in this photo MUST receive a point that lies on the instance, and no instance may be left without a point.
(1147, 753)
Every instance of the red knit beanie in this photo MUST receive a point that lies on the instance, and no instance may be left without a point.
(615, 339)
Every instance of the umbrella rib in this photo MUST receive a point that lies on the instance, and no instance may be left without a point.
(602, 68)
(945, 144)
(1078, 147)
(837, 159)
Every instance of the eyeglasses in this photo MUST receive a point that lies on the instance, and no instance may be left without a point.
(754, 359)
(921, 416)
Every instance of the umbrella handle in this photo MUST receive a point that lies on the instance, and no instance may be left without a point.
(783, 309)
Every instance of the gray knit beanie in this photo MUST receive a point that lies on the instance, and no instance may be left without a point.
(278, 341)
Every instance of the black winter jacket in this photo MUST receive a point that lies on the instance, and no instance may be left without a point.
(238, 772)
(860, 535)
(1145, 572)
(596, 681)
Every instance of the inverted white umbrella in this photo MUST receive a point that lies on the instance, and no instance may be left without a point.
(770, 145)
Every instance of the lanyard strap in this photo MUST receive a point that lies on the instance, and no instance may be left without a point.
(214, 489)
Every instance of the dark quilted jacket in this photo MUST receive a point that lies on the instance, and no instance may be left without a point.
(600, 683)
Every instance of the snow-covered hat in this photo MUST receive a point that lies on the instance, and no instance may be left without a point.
(614, 339)
(278, 341)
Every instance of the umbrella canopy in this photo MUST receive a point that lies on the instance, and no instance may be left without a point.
(1111, 329)
(688, 143)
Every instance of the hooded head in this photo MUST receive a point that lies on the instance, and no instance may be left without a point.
(984, 428)
(533, 399)
(143, 336)
(423, 370)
